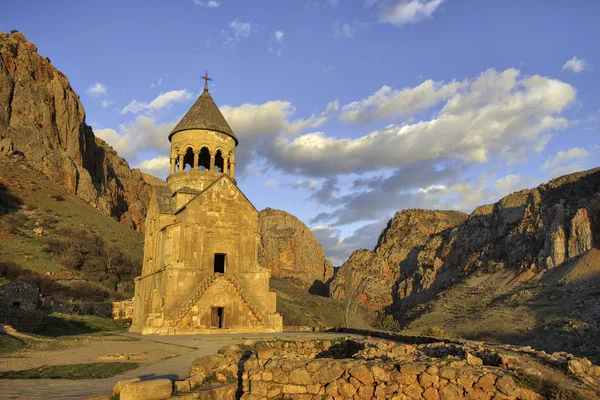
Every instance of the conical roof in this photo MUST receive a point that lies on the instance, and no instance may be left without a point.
(204, 114)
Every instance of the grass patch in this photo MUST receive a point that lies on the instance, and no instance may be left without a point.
(549, 389)
(9, 343)
(56, 324)
(73, 371)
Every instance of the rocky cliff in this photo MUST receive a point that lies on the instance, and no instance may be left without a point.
(289, 249)
(42, 120)
(373, 275)
(530, 232)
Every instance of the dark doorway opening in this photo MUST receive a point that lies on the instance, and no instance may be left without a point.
(219, 263)
(217, 317)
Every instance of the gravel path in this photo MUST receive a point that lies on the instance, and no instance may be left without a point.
(189, 348)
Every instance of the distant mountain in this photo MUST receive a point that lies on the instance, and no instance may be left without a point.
(528, 263)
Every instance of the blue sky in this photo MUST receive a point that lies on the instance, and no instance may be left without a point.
(346, 111)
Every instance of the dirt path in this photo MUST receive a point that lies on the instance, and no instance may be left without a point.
(188, 348)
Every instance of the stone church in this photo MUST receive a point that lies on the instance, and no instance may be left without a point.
(200, 272)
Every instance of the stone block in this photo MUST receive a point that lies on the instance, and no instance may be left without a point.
(291, 389)
(121, 384)
(182, 386)
(157, 389)
(362, 373)
(506, 385)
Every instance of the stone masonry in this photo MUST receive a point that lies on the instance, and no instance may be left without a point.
(200, 271)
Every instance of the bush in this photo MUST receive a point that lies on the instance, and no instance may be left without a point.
(57, 197)
(435, 331)
(386, 322)
(11, 270)
(87, 292)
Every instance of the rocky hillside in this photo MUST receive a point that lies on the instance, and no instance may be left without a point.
(289, 249)
(43, 122)
(373, 275)
(523, 270)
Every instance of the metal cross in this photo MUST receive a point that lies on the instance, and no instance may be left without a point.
(206, 79)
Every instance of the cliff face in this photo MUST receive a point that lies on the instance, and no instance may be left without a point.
(373, 275)
(43, 121)
(289, 249)
(529, 232)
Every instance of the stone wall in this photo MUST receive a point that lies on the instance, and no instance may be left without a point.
(99, 309)
(21, 320)
(370, 369)
(122, 309)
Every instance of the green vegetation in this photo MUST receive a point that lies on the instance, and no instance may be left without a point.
(212, 379)
(386, 322)
(73, 371)
(56, 325)
(9, 343)
(300, 308)
(549, 389)
(89, 256)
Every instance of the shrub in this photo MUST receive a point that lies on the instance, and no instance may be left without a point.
(57, 197)
(11, 270)
(386, 322)
(87, 292)
(435, 331)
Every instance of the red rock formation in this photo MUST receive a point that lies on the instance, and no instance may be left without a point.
(43, 121)
(289, 249)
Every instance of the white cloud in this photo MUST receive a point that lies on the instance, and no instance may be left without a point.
(97, 89)
(306, 183)
(156, 84)
(270, 183)
(394, 104)
(557, 163)
(401, 12)
(141, 135)
(508, 184)
(105, 103)
(495, 113)
(207, 4)
(278, 43)
(238, 30)
(343, 29)
(161, 101)
(158, 166)
(575, 65)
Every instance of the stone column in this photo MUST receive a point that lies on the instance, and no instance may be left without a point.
(196, 157)
(172, 165)
(181, 163)
(212, 162)
(225, 162)
(232, 170)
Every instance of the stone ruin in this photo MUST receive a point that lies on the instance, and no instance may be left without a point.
(367, 368)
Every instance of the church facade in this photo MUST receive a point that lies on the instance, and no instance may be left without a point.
(200, 271)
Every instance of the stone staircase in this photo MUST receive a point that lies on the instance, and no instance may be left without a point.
(257, 314)
(187, 306)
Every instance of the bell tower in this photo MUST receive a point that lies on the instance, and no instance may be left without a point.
(202, 146)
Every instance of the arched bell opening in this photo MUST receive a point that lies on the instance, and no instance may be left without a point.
(219, 162)
(188, 159)
(204, 160)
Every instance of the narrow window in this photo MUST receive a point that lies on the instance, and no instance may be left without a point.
(17, 304)
(219, 266)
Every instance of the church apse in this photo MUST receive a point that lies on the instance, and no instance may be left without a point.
(200, 272)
